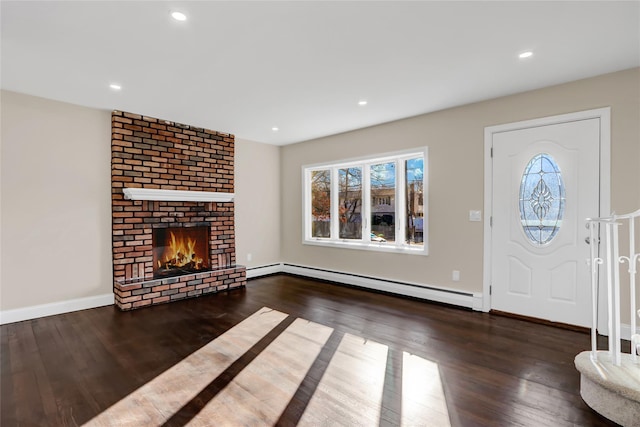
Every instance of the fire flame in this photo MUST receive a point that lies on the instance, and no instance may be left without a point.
(181, 253)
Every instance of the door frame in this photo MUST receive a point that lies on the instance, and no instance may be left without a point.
(604, 114)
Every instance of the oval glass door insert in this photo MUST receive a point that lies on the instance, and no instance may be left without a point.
(542, 199)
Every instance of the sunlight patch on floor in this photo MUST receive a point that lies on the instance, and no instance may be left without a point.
(156, 401)
(261, 392)
(350, 391)
(423, 401)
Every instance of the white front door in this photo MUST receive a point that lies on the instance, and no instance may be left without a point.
(545, 183)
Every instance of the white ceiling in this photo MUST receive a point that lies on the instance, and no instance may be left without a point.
(245, 67)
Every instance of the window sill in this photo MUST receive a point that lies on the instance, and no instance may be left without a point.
(376, 247)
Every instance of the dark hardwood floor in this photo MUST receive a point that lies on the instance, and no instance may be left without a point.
(495, 371)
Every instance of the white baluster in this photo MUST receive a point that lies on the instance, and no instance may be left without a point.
(635, 345)
(608, 258)
(632, 282)
(616, 294)
(593, 262)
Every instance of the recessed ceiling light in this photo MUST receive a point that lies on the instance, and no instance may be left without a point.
(526, 54)
(275, 129)
(115, 86)
(362, 102)
(179, 16)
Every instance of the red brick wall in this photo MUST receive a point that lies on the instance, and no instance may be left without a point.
(152, 153)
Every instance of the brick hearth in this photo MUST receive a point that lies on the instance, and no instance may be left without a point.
(158, 154)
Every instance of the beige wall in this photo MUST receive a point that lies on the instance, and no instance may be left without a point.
(257, 188)
(56, 205)
(455, 138)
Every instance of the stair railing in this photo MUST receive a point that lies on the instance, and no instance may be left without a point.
(611, 259)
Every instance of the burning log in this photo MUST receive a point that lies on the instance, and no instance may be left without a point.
(181, 253)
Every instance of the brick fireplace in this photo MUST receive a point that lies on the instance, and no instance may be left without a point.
(172, 206)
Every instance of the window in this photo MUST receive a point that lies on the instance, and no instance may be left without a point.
(321, 203)
(350, 203)
(371, 203)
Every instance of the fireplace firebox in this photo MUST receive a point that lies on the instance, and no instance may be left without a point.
(180, 250)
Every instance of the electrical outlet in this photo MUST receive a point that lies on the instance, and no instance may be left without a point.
(249, 257)
(455, 276)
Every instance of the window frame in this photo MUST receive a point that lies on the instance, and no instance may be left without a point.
(399, 245)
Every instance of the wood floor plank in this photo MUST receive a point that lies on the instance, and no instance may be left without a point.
(31, 379)
(70, 400)
(8, 404)
(391, 409)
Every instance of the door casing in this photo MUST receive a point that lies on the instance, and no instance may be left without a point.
(604, 114)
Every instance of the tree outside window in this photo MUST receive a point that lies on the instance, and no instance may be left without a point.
(321, 203)
(350, 209)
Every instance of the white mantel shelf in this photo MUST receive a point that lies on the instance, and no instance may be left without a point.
(176, 195)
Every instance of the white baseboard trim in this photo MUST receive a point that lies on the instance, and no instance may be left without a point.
(478, 302)
(264, 270)
(416, 290)
(426, 292)
(625, 331)
(43, 310)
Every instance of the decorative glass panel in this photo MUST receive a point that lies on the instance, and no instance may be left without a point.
(383, 206)
(350, 199)
(542, 199)
(321, 203)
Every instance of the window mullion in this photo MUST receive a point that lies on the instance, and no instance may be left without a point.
(308, 220)
(366, 203)
(335, 200)
(401, 204)
(425, 203)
